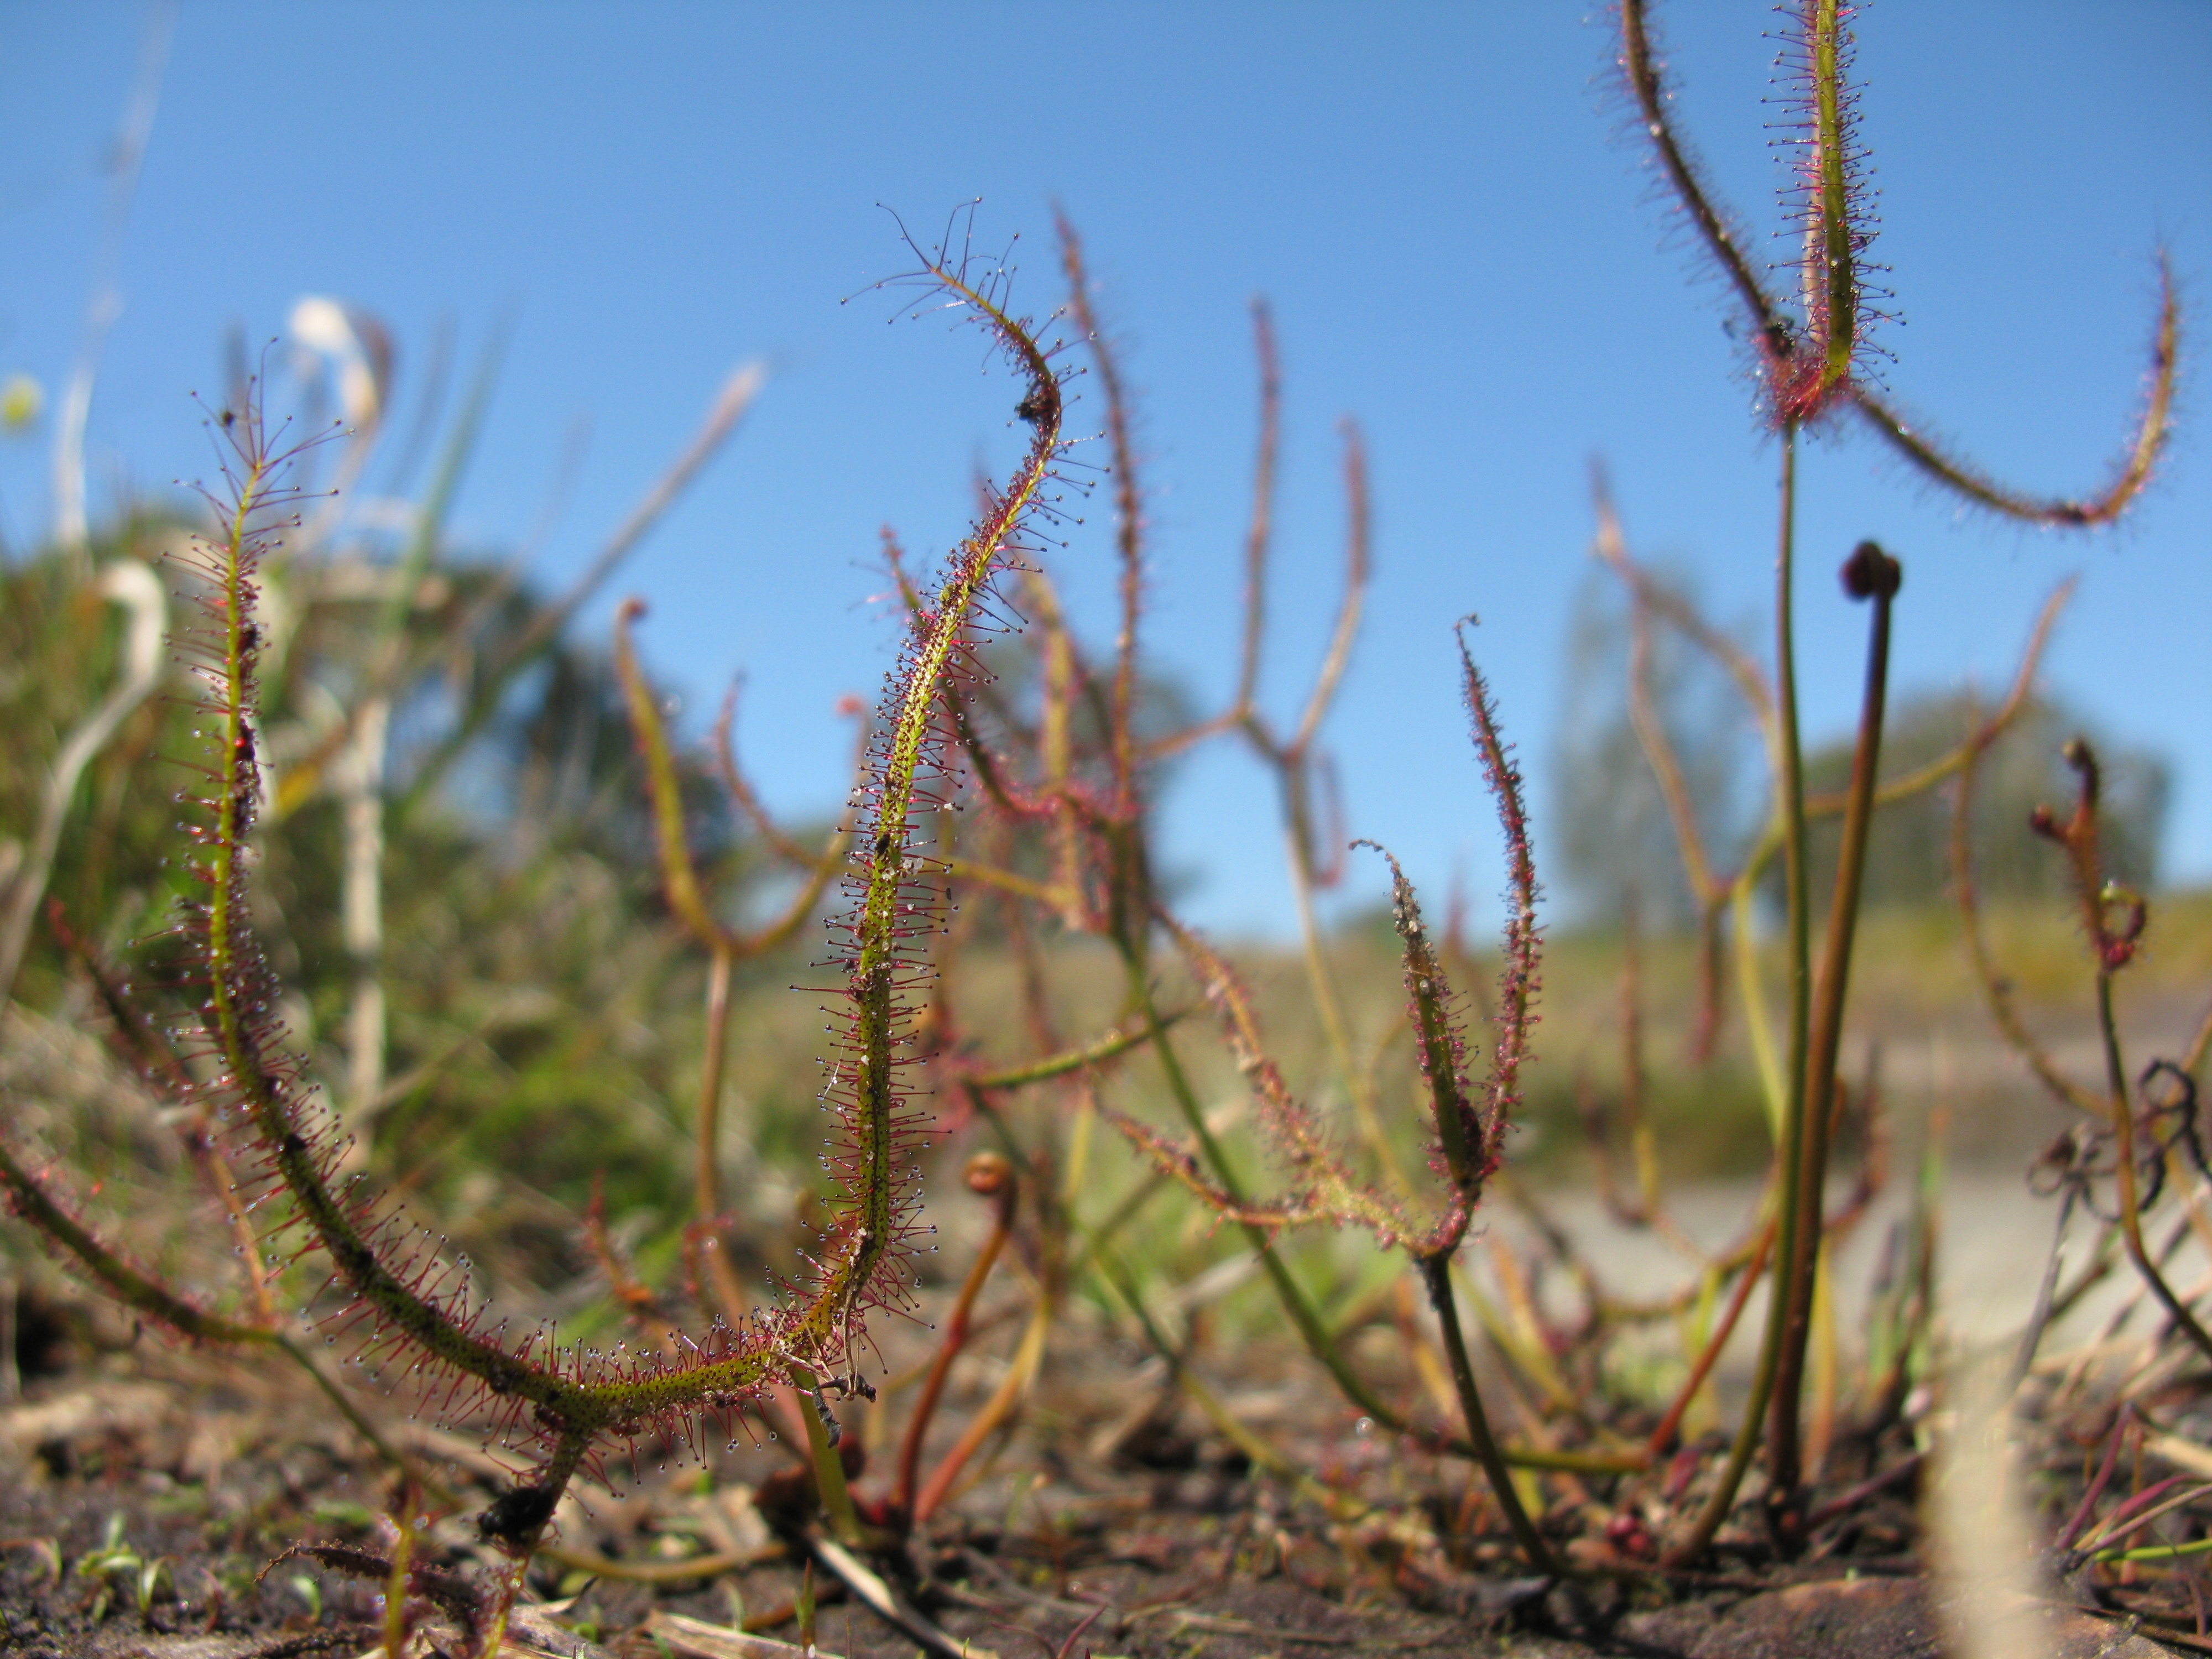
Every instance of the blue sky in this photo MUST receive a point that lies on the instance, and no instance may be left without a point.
(1461, 251)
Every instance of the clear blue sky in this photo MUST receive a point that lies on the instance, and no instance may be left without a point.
(1461, 252)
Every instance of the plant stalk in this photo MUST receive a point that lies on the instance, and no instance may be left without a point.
(1870, 573)
(1790, 777)
(957, 1326)
(829, 1467)
(706, 1199)
(2123, 1155)
(1436, 1275)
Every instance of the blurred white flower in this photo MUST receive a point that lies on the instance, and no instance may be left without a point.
(357, 344)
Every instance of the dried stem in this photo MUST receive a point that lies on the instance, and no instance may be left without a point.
(1258, 535)
(1293, 764)
(1997, 988)
(687, 898)
(993, 1177)
(994, 1412)
(714, 1055)
(1129, 513)
(1663, 1438)
(2123, 1159)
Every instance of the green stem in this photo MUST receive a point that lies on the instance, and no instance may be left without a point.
(1871, 574)
(1298, 834)
(1109, 1047)
(2156, 1552)
(1790, 784)
(829, 1467)
(1436, 1274)
(1773, 1092)
(1180, 1375)
(1095, 1239)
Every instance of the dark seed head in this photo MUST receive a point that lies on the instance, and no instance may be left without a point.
(1869, 573)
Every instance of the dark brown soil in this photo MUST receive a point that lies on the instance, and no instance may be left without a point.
(1111, 1505)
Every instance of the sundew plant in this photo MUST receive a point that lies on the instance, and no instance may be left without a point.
(404, 1306)
(1006, 801)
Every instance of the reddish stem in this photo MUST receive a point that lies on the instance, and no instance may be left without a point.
(992, 1176)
